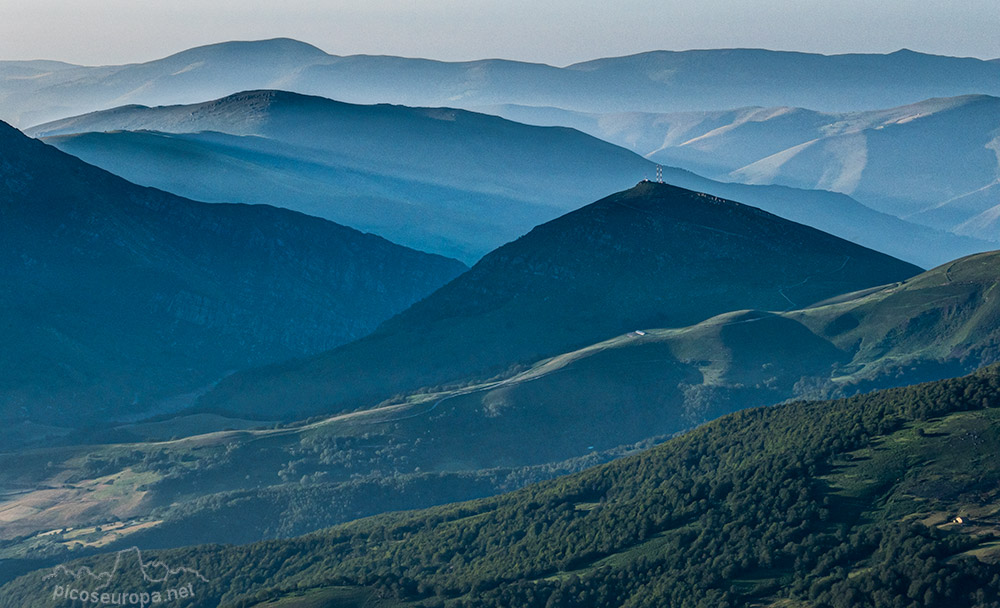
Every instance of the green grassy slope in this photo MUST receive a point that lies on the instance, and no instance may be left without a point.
(937, 323)
(941, 323)
(839, 503)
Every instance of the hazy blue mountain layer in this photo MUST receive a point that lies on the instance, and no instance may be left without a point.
(933, 162)
(440, 180)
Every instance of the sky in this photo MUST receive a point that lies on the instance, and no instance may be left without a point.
(557, 32)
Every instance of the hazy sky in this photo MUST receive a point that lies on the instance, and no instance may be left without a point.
(556, 32)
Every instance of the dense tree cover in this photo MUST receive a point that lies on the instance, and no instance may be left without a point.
(240, 488)
(318, 481)
(734, 512)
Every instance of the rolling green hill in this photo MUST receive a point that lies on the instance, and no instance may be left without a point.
(939, 324)
(813, 504)
(652, 256)
(943, 322)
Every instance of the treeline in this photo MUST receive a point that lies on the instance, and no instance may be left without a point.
(732, 513)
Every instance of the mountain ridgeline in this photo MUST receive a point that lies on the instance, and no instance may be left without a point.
(658, 81)
(651, 256)
(939, 324)
(934, 162)
(117, 298)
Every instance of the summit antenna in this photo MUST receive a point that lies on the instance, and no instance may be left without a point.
(659, 174)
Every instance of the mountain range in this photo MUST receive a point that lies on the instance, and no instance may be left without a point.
(440, 180)
(576, 419)
(934, 162)
(477, 437)
(120, 299)
(32, 92)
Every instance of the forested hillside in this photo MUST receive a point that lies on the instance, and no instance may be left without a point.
(825, 504)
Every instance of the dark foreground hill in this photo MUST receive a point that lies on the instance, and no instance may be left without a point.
(117, 298)
(883, 500)
(652, 256)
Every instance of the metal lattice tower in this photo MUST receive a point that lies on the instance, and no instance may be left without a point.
(659, 174)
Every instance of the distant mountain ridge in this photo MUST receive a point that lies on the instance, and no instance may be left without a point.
(118, 297)
(934, 162)
(438, 179)
(657, 81)
(652, 256)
